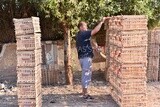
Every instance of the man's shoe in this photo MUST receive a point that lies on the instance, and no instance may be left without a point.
(87, 97)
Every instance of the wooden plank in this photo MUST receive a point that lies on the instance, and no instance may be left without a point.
(152, 74)
(153, 50)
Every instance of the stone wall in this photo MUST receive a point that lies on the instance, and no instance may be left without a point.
(8, 63)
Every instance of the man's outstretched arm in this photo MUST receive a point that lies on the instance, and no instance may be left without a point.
(98, 27)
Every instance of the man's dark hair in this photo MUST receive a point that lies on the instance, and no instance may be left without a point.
(81, 23)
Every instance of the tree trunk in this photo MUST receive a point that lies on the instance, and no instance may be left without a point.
(67, 56)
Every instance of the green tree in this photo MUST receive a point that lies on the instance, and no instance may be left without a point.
(154, 20)
(67, 13)
(10, 9)
(150, 8)
(94, 10)
(6, 15)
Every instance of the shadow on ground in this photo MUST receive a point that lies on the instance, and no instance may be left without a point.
(8, 101)
(76, 100)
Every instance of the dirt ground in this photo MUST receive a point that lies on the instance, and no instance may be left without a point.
(69, 96)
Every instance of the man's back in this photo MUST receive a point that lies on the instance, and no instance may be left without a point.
(83, 44)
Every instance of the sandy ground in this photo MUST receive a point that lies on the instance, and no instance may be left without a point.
(69, 96)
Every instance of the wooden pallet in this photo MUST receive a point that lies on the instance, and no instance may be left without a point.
(30, 102)
(29, 58)
(26, 26)
(29, 42)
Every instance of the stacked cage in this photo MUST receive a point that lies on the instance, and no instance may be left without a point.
(127, 39)
(29, 61)
(50, 69)
(153, 55)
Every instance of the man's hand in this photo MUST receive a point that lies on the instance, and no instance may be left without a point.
(98, 27)
(104, 18)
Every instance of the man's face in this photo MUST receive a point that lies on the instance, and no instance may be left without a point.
(83, 27)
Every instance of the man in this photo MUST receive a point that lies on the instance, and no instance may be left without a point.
(85, 53)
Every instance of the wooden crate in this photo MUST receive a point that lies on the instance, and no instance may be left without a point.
(117, 51)
(26, 26)
(154, 36)
(129, 100)
(29, 75)
(128, 22)
(128, 86)
(153, 50)
(29, 58)
(134, 22)
(129, 55)
(152, 74)
(29, 90)
(153, 62)
(129, 38)
(50, 75)
(29, 42)
(30, 102)
(129, 71)
(157, 33)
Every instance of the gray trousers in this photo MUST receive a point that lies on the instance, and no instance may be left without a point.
(86, 65)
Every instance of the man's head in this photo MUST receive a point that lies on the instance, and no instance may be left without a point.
(82, 26)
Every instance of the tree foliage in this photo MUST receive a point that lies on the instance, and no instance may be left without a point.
(63, 12)
(70, 12)
(94, 10)
(10, 9)
(150, 8)
(154, 20)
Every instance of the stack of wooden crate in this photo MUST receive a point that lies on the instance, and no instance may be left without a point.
(153, 55)
(51, 73)
(29, 61)
(128, 59)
